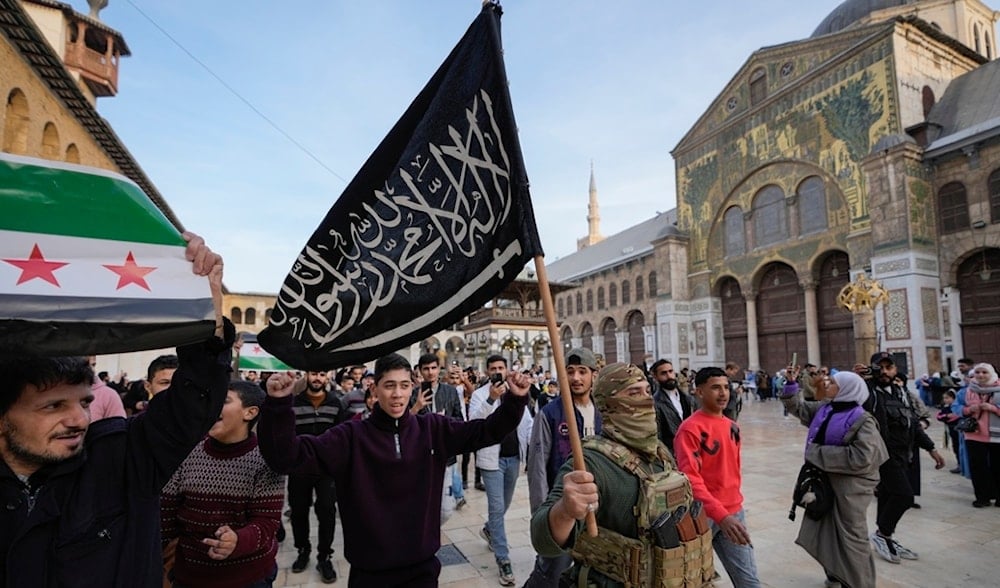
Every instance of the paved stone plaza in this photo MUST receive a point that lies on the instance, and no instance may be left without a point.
(958, 544)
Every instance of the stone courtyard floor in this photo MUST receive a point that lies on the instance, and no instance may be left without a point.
(958, 545)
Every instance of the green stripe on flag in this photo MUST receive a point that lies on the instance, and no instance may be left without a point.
(265, 364)
(40, 196)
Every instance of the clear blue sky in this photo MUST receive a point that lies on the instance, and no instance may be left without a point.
(616, 83)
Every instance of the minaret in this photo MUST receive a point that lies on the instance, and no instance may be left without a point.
(593, 217)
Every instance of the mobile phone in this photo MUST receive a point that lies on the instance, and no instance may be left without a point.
(425, 387)
(496, 378)
(795, 359)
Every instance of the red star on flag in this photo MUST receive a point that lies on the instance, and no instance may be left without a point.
(37, 267)
(130, 273)
(257, 349)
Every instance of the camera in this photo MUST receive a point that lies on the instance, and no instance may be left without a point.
(874, 370)
(496, 378)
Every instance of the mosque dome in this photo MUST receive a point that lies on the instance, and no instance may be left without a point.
(851, 11)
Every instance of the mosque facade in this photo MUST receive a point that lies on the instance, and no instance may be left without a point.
(871, 148)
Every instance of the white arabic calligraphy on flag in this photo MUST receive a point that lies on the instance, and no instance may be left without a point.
(435, 223)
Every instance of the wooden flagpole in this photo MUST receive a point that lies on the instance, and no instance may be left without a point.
(567, 398)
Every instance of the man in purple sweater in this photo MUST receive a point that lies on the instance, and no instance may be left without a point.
(388, 469)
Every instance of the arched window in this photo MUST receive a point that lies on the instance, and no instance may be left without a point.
(652, 285)
(954, 208)
(559, 308)
(770, 221)
(267, 316)
(15, 128)
(50, 142)
(579, 303)
(927, 100)
(250, 316)
(590, 300)
(735, 237)
(758, 86)
(72, 153)
(989, 45)
(236, 315)
(975, 37)
(613, 295)
(993, 188)
(600, 297)
(812, 206)
(640, 292)
(626, 292)
(569, 305)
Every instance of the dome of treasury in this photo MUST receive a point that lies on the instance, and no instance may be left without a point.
(851, 11)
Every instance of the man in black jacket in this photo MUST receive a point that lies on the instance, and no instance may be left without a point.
(899, 425)
(672, 405)
(317, 408)
(81, 502)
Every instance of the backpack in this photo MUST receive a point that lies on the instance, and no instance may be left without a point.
(813, 491)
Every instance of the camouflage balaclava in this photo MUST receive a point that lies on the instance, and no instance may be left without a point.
(629, 421)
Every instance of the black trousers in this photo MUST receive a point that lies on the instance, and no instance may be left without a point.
(984, 465)
(895, 495)
(420, 575)
(300, 498)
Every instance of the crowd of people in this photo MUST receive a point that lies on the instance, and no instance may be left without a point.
(182, 479)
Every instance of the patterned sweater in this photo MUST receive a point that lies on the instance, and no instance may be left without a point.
(223, 485)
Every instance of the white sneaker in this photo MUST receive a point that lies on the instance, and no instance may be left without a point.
(506, 574)
(487, 538)
(885, 548)
(904, 552)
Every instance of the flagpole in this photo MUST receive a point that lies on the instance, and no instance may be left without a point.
(567, 398)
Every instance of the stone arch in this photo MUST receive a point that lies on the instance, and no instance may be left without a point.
(587, 336)
(780, 310)
(977, 277)
(236, 315)
(635, 321)
(72, 153)
(836, 325)
(609, 328)
(50, 142)
(455, 348)
(734, 320)
(430, 345)
(16, 120)
(250, 316)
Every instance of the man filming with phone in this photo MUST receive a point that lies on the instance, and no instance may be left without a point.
(500, 464)
(441, 398)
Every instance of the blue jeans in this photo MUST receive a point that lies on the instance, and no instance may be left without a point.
(737, 559)
(499, 492)
(457, 492)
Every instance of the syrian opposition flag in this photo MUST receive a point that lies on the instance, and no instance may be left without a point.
(434, 225)
(89, 265)
(254, 357)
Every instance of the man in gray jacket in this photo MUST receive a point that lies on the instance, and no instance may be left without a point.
(550, 448)
(437, 396)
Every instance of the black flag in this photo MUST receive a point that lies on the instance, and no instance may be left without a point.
(434, 225)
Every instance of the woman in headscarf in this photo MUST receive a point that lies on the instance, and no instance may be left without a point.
(982, 401)
(850, 452)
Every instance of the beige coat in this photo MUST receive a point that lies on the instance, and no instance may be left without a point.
(839, 541)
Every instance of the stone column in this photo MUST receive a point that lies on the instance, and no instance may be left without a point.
(621, 346)
(812, 323)
(865, 339)
(753, 349)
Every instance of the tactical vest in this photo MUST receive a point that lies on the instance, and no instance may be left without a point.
(639, 562)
